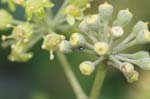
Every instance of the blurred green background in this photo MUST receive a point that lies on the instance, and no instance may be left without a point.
(41, 78)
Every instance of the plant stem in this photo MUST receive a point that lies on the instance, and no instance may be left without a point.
(98, 82)
(60, 9)
(123, 47)
(71, 77)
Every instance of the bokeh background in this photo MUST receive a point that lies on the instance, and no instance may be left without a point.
(41, 78)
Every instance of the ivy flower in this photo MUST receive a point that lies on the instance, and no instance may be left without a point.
(36, 7)
(101, 38)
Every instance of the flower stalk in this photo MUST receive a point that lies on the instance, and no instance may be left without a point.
(98, 82)
(80, 94)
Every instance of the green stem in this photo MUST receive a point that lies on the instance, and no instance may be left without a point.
(71, 77)
(127, 40)
(106, 30)
(60, 9)
(98, 82)
(123, 47)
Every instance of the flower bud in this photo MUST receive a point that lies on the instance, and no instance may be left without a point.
(87, 68)
(143, 37)
(5, 19)
(101, 48)
(84, 27)
(129, 72)
(117, 31)
(105, 11)
(123, 18)
(127, 67)
(140, 25)
(77, 40)
(92, 21)
(143, 63)
(137, 55)
(65, 46)
(132, 76)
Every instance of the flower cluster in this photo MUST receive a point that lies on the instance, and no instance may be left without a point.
(19, 40)
(100, 36)
(23, 34)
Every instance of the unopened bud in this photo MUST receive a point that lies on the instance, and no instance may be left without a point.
(77, 40)
(123, 18)
(143, 37)
(84, 27)
(143, 63)
(92, 21)
(140, 25)
(87, 68)
(137, 55)
(105, 11)
(129, 72)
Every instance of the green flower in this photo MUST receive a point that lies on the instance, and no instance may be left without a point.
(36, 7)
(51, 43)
(18, 53)
(74, 11)
(22, 33)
